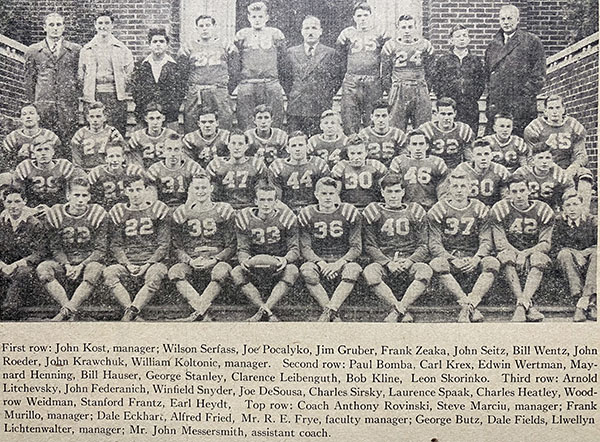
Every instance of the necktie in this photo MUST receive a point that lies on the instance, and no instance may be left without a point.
(311, 51)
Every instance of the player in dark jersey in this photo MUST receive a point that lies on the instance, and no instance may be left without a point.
(266, 142)
(508, 150)
(139, 242)
(329, 144)
(268, 229)
(330, 242)
(296, 176)
(172, 176)
(405, 63)
(396, 241)
(522, 232)
(203, 236)
(359, 176)
(460, 241)
(235, 177)
(88, 146)
(208, 141)
(574, 241)
(383, 141)
(422, 174)
(77, 233)
(450, 140)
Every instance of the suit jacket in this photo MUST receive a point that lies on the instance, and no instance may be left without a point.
(310, 83)
(461, 81)
(52, 78)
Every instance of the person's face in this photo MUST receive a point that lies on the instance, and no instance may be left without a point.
(392, 195)
(154, 120)
(208, 124)
(29, 117)
(104, 25)
(136, 192)
(542, 161)
(406, 30)
(205, 28)
(573, 207)
(14, 204)
(298, 148)
(357, 155)
(482, 156)
(380, 119)
(417, 146)
(173, 152)
(509, 19)
(158, 45)
(554, 111)
(519, 193)
(362, 18)
(503, 128)
(460, 39)
(237, 146)
(258, 19)
(43, 153)
(446, 115)
(326, 196)
(265, 201)
(329, 125)
(114, 157)
(96, 118)
(78, 198)
(200, 190)
(459, 189)
(311, 31)
(54, 27)
(263, 120)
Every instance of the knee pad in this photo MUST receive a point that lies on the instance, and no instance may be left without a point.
(423, 272)
(155, 274)
(93, 272)
(351, 271)
(440, 265)
(490, 264)
(309, 273)
(373, 274)
(238, 275)
(45, 272)
(539, 260)
(220, 272)
(177, 272)
(507, 257)
(111, 275)
(290, 274)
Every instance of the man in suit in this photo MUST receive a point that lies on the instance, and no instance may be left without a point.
(311, 79)
(516, 70)
(51, 79)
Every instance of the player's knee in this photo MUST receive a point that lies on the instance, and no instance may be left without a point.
(565, 256)
(155, 274)
(490, 264)
(290, 274)
(539, 260)
(373, 274)
(45, 272)
(423, 272)
(440, 265)
(112, 275)
(238, 275)
(177, 272)
(351, 271)
(93, 272)
(507, 257)
(220, 272)
(309, 273)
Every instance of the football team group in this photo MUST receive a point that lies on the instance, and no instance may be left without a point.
(385, 190)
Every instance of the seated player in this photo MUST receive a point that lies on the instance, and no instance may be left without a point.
(106, 181)
(269, 232)
(566, 138)
(172, 175)
(331, 142)
(396, 242)
(422, 174)
(264, 141)
(330, 242)
(383, 141)
(208, 141)
(296, 176)
(88, 145)
(18, 143)
(546, 181)
(235, 177)
(522, 232)
(460, 241)
(139, 242)
(21, 249)
(77, 234)
(359, 176)
(146, 145)
(574, 240)
(509, 150)
(450, 140)
(203, 236)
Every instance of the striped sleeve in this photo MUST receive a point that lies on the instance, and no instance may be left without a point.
(97, 215)
(371, 213)
(160, 209)
(179, 214)
(350, 213)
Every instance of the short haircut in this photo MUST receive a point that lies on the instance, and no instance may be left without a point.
(115, 146)
(206, 110)
(331, 113)
(537, 148)
(175, 138)
(205, 17)
(571, 193)
(240, 133)
(157, 31)
(516, 178)
(265, 186)
(381, 104)
(553, 97)
(481, 142)
(405, 17)
(12, 189)
(52, 15)
(311, 18)
(263, 108)
(446, 102)
(457, 176)
(328, 181)
(78, 181)
(362, 5)
(391, 179)
(130, 179)
(296, 134)
(415, 133)
(257, 7)
(505, 115)
(94, 105)
(37, 144)
(355, 140)
(29, 105)
(511, 8)
(201, 175)
(104, 13)
(153, 107)
(458, 27)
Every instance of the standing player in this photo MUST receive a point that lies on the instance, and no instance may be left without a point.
(522, 232)
(359, 176)
(77, 234)
(208, 141)
(460, 240)
(235, 177)
(361, 46)
(330, 242)
(422, 174)
(203, 241)
(266, 142)
(396, 242)
(296, 176)
(509, 150)
(405, 61)
(139, 241)
(383, 141)
(450, 140)
(268, 230)
(329, 144)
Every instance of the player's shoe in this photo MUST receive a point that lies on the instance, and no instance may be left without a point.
(259, 316)
(327, 315)
(130, 314)
(392, 316)
(534, 315)
(196, 316)
(519, 314)
(579, 315)
(476, 315)
(407, 317)
(273, 318)
(65, 314)
(465, 314)
(592, 311)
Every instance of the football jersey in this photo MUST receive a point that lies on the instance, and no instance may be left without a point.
(205, 233)
(18, 146)
(235, 182)
(140, 236)
(487, 185)
(360, 185)
(107, 185)
(548, 188)
(452, 146)
(172, 184)
(77, 237)
(407, 58)
(44, 186)
(329, 151)
(267, 148)
(391, 233)
(459, 232)
(363, 49)
(258, 52)
(383, 147)
(567, 141)
(297, 181)
(421, 178)
(202, 150)
(523, 228)
(147, 150)
(330, 236)
(277, 235)
(207, 63)
(512, 154)
(88, 148)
